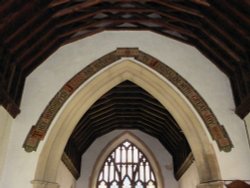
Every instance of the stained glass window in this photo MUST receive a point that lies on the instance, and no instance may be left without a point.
(126, 167)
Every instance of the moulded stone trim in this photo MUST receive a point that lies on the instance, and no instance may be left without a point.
(217, 131)
(44, 184)
(218, 184)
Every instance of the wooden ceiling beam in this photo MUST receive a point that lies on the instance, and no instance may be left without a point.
(230, 9)
(181, 8)
(136, 97)
(184, 21)
(112, 127)
(197, 23)
(144, 118)
(10, 8)
(31, 63)
(216, 54)
(126, 111)
(173, 137)
(104, 120)
(228, 50)
(104, 106)
(218, 42)
(58, 2)
(93, 121)
(67, 31)
(135, 107)
(80, 141)
(86, 142)
(107, 22)
(142, 125)
(77, 7)
(100, 111)
(161, 114)
(36, 53)
(221, 44)
(101, 117)
(81, 127)
(6, 5)
(152, 120)
(24, 27)
(125, 102)
(79, 18)
(202, 2)
(73, 38)
(171, 141)
(12, 22)
(222, 18)
(91, 14)
(28, 50)
(211, 23)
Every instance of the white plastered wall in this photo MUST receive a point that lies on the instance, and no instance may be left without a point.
(48, 78)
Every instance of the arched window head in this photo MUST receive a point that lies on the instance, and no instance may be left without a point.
(126, 167)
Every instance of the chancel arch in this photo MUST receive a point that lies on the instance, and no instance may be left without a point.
(100, 83)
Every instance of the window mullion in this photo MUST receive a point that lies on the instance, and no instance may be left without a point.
(128, 167)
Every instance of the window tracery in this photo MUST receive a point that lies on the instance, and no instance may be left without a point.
(126, 167)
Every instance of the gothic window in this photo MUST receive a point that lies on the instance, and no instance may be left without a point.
(126, 167)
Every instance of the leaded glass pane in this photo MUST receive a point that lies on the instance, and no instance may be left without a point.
(126, 167)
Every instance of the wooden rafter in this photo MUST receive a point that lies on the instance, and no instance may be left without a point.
(28, 27)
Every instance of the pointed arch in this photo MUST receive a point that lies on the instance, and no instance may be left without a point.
(151, 81)
(38, 132)
(114, 144)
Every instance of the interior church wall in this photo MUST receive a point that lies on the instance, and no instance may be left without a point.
(48, 78)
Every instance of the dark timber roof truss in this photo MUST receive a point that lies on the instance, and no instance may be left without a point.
(32, 30)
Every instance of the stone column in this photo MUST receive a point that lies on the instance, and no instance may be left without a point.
(44, 184)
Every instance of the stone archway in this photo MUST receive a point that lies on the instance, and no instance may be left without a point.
(156, 85)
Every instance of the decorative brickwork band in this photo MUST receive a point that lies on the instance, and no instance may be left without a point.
(216, 130)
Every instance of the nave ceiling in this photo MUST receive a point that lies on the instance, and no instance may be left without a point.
(32, 30)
